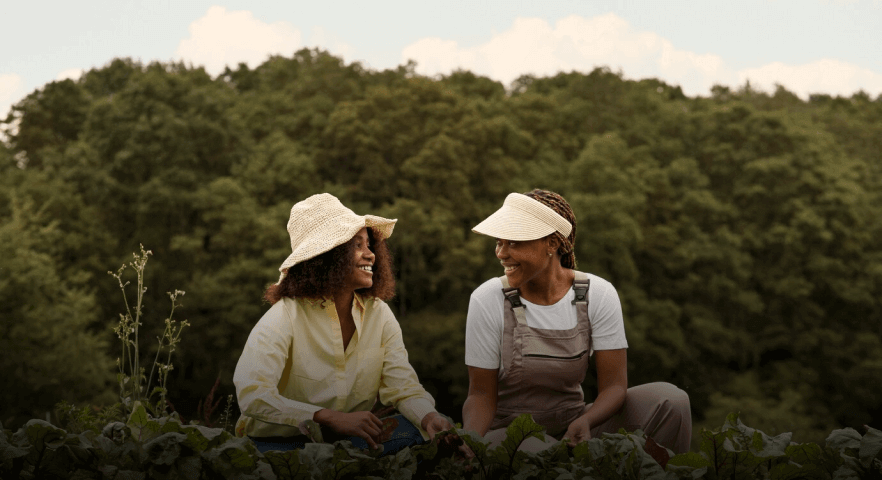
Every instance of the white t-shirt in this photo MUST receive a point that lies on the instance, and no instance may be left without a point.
(485, 323)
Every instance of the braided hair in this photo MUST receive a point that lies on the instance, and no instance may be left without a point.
(562, 208)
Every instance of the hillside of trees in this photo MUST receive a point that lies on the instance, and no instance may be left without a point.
(743, 230)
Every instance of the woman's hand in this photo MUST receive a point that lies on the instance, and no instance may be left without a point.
(433, 423)
(358, 424)
(579, 431)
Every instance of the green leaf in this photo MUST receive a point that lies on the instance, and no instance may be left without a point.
(690, 459)
(871, 446)
(287, 464)
(41, 434)
(165, 449)
(843, 439)
(234, 456)
(522, 428)
(10, 454)
(793, 471)
(140, 424)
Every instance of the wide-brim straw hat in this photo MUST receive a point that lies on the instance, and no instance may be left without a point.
(522, 218)
(321, 223)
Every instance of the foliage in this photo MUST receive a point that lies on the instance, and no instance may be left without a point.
(147, 447)
(742, 230)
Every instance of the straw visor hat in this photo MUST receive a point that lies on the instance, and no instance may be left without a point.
(321, 223)
(521, 218)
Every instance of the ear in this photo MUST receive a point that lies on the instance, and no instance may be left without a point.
(553, 242)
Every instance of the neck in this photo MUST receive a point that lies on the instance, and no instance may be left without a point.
(548, 287)
(344, 299)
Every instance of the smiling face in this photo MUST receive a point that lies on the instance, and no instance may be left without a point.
(362, 275)
(525, 261)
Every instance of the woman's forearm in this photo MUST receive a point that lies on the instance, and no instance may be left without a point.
(607, 403)
(477, 413)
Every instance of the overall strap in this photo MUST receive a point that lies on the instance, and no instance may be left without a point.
(513, 296)
(581, 284)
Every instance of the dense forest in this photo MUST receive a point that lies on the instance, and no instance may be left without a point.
(743, 230)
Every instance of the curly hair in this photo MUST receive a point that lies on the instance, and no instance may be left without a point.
(559, 205)
(323, 274)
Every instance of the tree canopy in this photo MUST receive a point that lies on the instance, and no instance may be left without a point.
(743, 230)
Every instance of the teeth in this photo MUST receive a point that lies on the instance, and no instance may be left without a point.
(366, 269)
(509, 269)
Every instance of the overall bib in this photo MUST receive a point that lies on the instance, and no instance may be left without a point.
(543, 369)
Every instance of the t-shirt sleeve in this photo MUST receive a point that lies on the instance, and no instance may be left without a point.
(483, 335)
(607, 323)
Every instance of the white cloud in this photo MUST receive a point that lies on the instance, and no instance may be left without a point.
(833, 77)
(71, 73)
(533, 46)
(223, 38)
(11, 91)
(326, 40)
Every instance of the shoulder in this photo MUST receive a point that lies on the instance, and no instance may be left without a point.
(488, 290)
(600, 286)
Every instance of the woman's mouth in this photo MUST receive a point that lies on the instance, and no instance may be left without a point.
(510, 268)
(366, 268)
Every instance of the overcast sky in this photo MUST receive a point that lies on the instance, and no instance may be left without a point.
(809, 46)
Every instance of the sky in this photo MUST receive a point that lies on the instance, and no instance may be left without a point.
(807, 46)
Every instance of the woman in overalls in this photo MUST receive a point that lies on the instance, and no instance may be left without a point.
(329, 347)
(531, 332)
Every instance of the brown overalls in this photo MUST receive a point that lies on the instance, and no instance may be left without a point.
(544, 369)
(543, 372)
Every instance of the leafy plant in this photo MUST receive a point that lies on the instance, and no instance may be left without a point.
(146, 447)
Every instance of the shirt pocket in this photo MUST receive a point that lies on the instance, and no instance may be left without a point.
(370, 371)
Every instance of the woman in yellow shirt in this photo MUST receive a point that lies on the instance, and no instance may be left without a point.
(329, 346)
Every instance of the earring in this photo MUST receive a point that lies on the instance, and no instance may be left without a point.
(550, 254)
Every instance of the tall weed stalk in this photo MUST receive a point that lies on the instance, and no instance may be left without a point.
(134, 386)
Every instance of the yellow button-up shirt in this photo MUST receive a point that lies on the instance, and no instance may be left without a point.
(294, 365)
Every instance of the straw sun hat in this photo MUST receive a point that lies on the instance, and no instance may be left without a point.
(321, 223)
(522, 218)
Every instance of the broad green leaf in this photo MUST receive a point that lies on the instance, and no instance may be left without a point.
(844, 438)
(475, 442)
(287, 464)
(871, 446)
(40, 434)
(686, 472)
(794, 471)
(165, 449)
(520, 429)
(142, 427)
(690, 459)
(9, 452)
(847, 472)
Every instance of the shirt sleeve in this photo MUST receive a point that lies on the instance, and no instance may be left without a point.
(607, 323)
(483, 336)
(261, 367)
(399, 385)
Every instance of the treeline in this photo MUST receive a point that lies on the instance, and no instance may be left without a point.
(743, 230)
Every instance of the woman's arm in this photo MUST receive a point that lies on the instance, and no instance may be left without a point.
(399, 385)
(480, 405)
(612, 384)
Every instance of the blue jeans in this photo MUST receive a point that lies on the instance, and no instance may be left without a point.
(405, 435)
